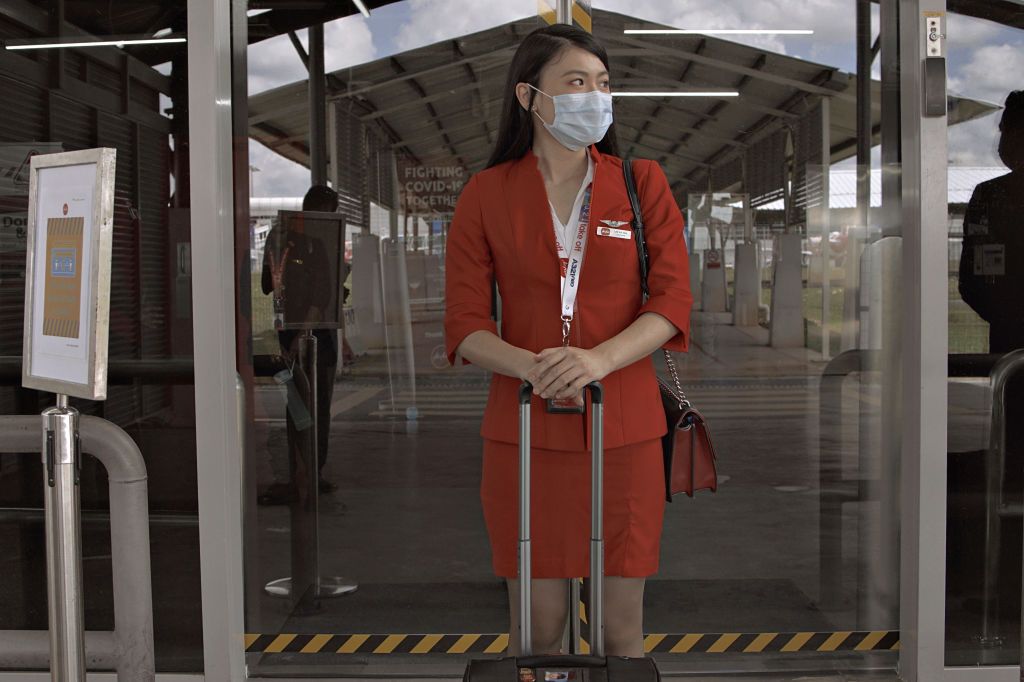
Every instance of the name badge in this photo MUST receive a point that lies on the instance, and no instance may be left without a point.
(614, 232)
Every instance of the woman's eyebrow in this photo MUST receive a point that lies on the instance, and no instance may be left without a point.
(580, 72)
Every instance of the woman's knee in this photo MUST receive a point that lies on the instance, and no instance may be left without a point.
(621, 635)
(623, 615)
(549, 614)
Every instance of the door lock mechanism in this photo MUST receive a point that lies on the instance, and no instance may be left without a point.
(935, 39)
(934, 65)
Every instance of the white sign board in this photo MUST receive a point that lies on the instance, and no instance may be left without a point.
(67, 276)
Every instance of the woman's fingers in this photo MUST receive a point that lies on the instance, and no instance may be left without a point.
(562, 372)
(546, 363)
(571, 383)
(554, 378)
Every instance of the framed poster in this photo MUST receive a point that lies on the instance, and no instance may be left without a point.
(304, 269)
(67, 274)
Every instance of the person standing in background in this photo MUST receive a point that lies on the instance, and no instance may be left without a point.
(992, 269)
(301, 268)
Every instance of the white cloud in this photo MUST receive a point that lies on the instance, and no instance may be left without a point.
(431, 21)
(974, 143)
(277, 176)
(348, 42)
(990, 74)
(274, 62)
(964, 30)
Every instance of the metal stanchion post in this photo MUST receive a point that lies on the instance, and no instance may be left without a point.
(61, 459)
(304, 523)
(306, 585)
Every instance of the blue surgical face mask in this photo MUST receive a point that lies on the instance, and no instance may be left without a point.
(581, 118)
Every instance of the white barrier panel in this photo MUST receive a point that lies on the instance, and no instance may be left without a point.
(695, 280)
(747, 290)
(713, 287)
(786, 329)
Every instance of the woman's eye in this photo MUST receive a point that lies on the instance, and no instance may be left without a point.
(577, 81)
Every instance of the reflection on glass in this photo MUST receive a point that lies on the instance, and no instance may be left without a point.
(986, 404)
(303, 271)
(132, 98)
(794, 261)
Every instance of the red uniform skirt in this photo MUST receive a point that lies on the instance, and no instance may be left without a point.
(634, 506)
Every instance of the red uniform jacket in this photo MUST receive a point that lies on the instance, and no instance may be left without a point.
(502, 228)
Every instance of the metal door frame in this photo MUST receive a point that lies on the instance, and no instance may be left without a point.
(219, 399)
(925, 340)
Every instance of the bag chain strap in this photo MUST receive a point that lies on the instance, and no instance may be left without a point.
(683, 402)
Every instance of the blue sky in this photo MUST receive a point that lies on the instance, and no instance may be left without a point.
(985, 60)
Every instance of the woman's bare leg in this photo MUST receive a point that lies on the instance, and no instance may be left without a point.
(623, 616)
(550, 609)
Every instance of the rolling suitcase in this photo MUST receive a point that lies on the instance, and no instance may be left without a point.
(572, 667)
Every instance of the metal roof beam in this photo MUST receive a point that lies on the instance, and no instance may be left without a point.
(433, 133)
(292, 15)
(297, 44)
(649, 123)
(664, 102)
(37, 20)
(341, 90)
(788, 103)
(747, 101)
(429, 124)
(664, 156)
(473, 77)
(281, 139)
(415, 85)
(413, 103)
(648, 48)
(758, 65)
(497, 55)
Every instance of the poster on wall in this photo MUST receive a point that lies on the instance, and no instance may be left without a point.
(67, 292)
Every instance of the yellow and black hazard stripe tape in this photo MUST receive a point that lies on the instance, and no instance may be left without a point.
(690, 643)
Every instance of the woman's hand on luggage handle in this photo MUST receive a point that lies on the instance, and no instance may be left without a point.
(563, 372)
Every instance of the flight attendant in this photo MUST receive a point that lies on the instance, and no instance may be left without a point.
(549, 220)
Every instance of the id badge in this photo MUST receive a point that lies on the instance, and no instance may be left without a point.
(564, 406)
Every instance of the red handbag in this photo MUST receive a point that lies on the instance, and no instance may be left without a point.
(687, 449)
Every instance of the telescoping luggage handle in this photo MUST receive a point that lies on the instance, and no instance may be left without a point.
(595, 614)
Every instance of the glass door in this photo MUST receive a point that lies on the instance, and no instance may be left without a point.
(774, 129)
(366, 547)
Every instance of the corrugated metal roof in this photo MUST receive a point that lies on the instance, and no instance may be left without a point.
(440, 103)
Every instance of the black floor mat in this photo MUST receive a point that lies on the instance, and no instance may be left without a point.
(670, 606)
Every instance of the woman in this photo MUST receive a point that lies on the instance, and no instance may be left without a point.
(552, 206)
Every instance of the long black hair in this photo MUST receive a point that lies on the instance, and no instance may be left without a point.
(515, 132)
